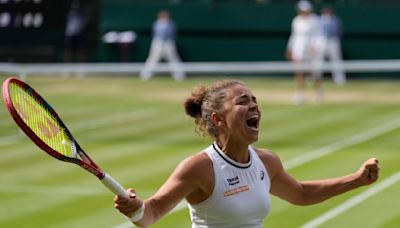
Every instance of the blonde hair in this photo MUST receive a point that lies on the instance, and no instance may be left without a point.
(205, 100)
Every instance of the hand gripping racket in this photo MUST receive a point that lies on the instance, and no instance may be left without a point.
(44, 127)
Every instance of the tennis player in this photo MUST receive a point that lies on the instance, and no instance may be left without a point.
(229, 183)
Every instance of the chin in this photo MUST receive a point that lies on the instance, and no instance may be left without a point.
(253, 139)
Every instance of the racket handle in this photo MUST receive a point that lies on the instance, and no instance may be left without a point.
(114, 186)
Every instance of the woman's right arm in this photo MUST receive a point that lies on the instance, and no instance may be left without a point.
(186, 179)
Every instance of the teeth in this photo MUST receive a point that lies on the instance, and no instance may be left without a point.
(253, 117)
(252, 122)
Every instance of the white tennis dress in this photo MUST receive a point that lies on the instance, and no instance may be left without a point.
(240, 198)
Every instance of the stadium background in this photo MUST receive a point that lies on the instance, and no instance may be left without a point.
(209, 30)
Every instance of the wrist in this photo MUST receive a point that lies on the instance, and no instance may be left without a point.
(138, 215)
(355, 180)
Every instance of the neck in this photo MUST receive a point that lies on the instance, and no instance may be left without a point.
(236, 151)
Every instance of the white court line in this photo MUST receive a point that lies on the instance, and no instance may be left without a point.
(353, 201)
(318, 153)
(355, 139)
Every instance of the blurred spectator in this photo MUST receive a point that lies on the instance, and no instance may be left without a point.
(74, 34)
(163, 46)
(332, 32)
(302, 46)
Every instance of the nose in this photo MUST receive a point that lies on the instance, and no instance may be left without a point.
(253, 106)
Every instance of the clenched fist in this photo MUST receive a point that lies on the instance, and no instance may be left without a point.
(369, 172)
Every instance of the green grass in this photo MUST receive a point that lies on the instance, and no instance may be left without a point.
(138, 132)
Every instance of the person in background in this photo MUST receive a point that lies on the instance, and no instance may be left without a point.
(332, 33)
(74, 34)
(163, 46)
(228, 184)
(302, 47)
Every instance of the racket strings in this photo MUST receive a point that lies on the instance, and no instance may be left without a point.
(37, 116)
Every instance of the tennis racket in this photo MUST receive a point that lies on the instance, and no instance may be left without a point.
(45, 128)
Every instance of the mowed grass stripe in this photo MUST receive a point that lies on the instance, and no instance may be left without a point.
(81, 128)
(60, 206)
(178, 136)
(11, 213)
(319, 131)
(127, 169)
(159, 167)
(135, 174)
(103, 155)
(341, 163)
(137, 130)
(310, 120)
(364, 215)
(157, 125)
(8, 125)
(347, 205)
(353, 140)
(86, 121)
(112, 119)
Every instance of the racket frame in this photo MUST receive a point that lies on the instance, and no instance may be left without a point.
(85, 162)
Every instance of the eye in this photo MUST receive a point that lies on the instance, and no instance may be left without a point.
(242, 102)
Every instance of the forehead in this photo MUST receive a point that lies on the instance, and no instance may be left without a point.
(239, 91)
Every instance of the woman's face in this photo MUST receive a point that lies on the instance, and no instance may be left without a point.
(240, 115)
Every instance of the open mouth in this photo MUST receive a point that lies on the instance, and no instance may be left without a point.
(252, 122)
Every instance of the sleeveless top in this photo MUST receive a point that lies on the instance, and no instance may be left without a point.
(240, 197)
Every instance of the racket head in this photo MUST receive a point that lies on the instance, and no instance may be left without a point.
(39, 121)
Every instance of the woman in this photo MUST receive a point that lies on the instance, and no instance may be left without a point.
(228, 183)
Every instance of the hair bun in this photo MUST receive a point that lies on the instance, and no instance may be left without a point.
(193, 104)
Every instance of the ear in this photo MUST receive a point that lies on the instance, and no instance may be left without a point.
(216, 119)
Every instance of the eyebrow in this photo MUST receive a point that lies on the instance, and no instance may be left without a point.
(245, 96)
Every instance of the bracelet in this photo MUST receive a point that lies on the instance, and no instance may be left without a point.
(138, 215)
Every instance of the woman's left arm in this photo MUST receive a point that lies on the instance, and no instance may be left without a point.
(311, 192)
(321, 190)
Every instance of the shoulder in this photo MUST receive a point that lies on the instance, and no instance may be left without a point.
(197, 160)
(272, 162)
(196, 167)
(197, 171)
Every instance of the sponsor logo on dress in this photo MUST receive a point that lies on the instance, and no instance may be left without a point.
(237, 190)
(262, 174)
(232, 181)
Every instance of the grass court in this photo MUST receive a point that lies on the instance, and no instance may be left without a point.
(138, 132)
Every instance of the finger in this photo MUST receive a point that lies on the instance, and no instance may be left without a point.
(119, 199)
(371, 166)
(125, 207)
(132, 193)
(373, 178)
(373, 161)
(373, 175)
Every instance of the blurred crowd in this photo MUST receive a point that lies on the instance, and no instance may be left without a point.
(314, 38)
